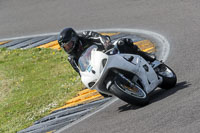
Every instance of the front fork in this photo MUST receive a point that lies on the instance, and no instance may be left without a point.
(121, 77)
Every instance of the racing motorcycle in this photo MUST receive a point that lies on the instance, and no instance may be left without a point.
(127, 76)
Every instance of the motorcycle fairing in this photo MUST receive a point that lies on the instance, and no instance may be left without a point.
(96, 72)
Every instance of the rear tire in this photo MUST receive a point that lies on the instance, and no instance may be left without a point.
(168, 75)
(122, 92)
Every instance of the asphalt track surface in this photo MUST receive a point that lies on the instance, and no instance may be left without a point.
(175, 110)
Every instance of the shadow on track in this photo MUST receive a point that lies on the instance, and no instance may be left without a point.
(157, 95)
(162, 93)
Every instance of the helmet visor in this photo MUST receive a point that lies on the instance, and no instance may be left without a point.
(68, 47)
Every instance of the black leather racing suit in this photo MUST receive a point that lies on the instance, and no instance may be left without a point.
(88, 38)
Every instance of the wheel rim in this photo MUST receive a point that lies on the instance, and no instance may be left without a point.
(135, 90)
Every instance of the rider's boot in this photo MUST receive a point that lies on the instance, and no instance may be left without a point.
(147, 56)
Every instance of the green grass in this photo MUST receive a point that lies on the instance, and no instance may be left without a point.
(32, 82)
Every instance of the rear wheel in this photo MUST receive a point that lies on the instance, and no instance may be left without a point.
(168, 75)
(133, 94)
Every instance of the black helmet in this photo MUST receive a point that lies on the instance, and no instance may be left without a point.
(68, 39)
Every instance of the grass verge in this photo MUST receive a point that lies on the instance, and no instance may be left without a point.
(32, 82)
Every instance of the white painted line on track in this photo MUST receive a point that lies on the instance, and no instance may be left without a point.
(30, 36)
(161, 40)
(87, 116)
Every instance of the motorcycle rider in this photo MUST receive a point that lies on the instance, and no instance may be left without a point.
(75, 44)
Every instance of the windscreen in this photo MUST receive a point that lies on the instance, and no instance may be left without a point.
(84, 60)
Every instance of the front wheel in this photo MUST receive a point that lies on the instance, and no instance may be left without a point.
(168, 75)
(130, 94)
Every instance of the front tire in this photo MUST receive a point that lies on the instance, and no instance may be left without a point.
(133, 95)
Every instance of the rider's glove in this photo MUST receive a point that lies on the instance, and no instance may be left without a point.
(107, 43)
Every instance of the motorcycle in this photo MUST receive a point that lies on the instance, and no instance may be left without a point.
(127, 76)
